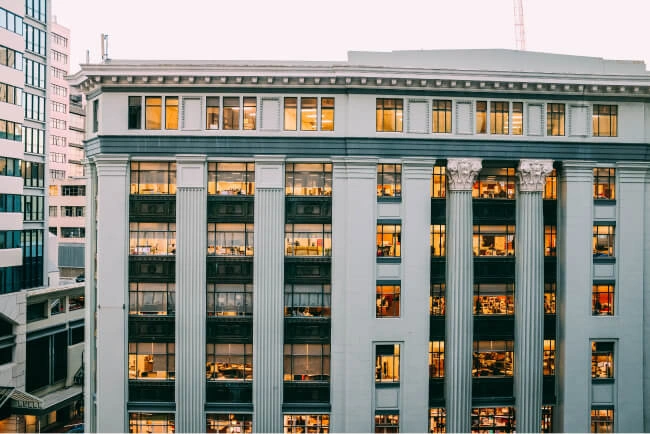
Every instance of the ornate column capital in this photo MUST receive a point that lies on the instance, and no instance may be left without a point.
(532, 174)
(461, 172)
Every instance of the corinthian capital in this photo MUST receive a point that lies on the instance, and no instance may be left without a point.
(461, 172)
(532, 174)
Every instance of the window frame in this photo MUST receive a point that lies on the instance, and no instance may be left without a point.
(508, 366)
(604, 230)
(220, 366)
(231, 168)
(499, 117)
(295, 308)
(441, 116)
(437, 359)
(391, 110)
(228, 299)
(136, 349)
(231, 234)
(387, 300)
(158, 294)
(395, 248)
(478, 240)
(555, 119)
(437, 299)
(605, 114)
(322, 357)
(608, 190)
(608, 351)
(153, 112)
(383, 355)
(389, 189)
(319, 175)
(313, 248)
(606, 307)
(438, 240)
(439, 182)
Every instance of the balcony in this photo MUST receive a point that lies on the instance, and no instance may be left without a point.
(229, 329)
(229, 269)
(305, 209)
(231, 209)
(303, 330)
(152, 208)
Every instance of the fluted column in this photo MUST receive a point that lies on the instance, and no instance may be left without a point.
(111, 291)
(268, 295)
(461, 173)
(191, 234)
(529, 294)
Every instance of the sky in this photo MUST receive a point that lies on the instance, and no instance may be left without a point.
(327, 30)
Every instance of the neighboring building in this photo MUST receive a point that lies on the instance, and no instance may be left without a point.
(67, 186)
(407, 241)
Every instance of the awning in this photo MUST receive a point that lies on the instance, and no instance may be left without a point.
(18, 398)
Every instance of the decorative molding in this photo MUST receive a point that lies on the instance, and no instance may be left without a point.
(461, 172)
(532, 174)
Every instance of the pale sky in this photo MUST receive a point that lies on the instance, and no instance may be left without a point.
(328, 29)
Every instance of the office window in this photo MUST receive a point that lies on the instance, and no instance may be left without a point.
(306, 362)
(250, 112)
(10, 167)
(517, 118)
(550, 236)
(602, 420)
(33, 208)
(481, 117)
(554, 119)
(135, 112)
(549, 298)
(308, 239)
(212, 108)
(36, 9)
(95, 116)
(389, 180)
(10, 239)
(387, 300)
(389, 114)
(438, 182)
(73, 232)
(34, 106)
(437, 421)
(10, 57)
(11, 203)
(57, 157)
(35, 40)
(57, 174)
(33, 174)
(302, 300)
(153, 178)
(231, 178)
(495, 183)
(33, 138)
(547, 419)
(308, 119)
(152, 298)
(57, 140)
(494, 240)
(437, 299)
(386, 423)
(73, 190)
(153, 112)
(54, 190)
(58, 90)
(58, 39)
(76, 335)
(493, 359)
(152, 238)
(499, 112)
(312, 423)
(151, 422)
(327, 114)
(11, 94)
(152, 361)
(76, 302)
(494, 299)
(493, 419)
(602, 299)
(58, 107)
(229, 423)
(72, 211)
(57, 56)
(603, 241)
(308, 179)
(290, 113)
(229, 362)
(549, 357)
(46, 361)
(437, 359)
(13, 131)
(229, 299)
(230, 239)
(171, 112)
(57, 72)
(11, 21)
(550, 187)
(605, 120)
(441, 116)
(389, 239)
(605, 183)
(602, 359)
(231, 109)
(437, 240)
(7, 338)
(387, 363)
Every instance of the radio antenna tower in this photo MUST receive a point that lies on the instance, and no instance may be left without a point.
(520, 33)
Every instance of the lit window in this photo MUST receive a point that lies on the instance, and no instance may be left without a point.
(550, 187)
(494, 299)
(389, 240)
(308, 179)
(54, 190)
(151, 422)
(554, 119)
(603, 241)
(602, 299)
(493, 359)
(605, 120)
(230, 239)
(307, 362)
(499, 112)
(229, 362)
(153, 113)
(308, 239)
(389, 114)
(171, 113)
(437, 359)
(602, 359)
(481, 117)
(437, 299)
(310, 113)
(387, 301)
(602, 420)
(550, 236)
(437, 421)
(303, 300)
(152, 238)
(231, 110)
(308, 118)
(387, 363)
(549, 298)
(490, 419)
(152, 298)
(495, 183)
(438, 182)
(494, 240)
(250, 112)
(290, 113)
(437, 240)
(441, 114)
(327, 114)
(153, 178)
(389, 180)
(604, 183)
(212, 106)
(311, 423)
(229, 299)
(231, 423)
(151, 361)
(517, 118)
(549, 357)
(387, 423)
(231, 178)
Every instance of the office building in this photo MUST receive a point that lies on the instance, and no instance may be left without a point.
(406, 241)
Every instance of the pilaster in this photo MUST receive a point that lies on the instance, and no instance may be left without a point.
(529, 293)
(461, 173)
(90, 353)
(112, 290)
(191, 234)
(268, 294)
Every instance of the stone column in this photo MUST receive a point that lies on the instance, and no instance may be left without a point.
(529, 293)
(191, 234)
(459, 334)
(112, 291)
(268, 294)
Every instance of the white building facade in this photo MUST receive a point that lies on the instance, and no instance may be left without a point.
(407, 241)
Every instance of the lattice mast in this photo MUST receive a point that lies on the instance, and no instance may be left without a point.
(520, 33)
